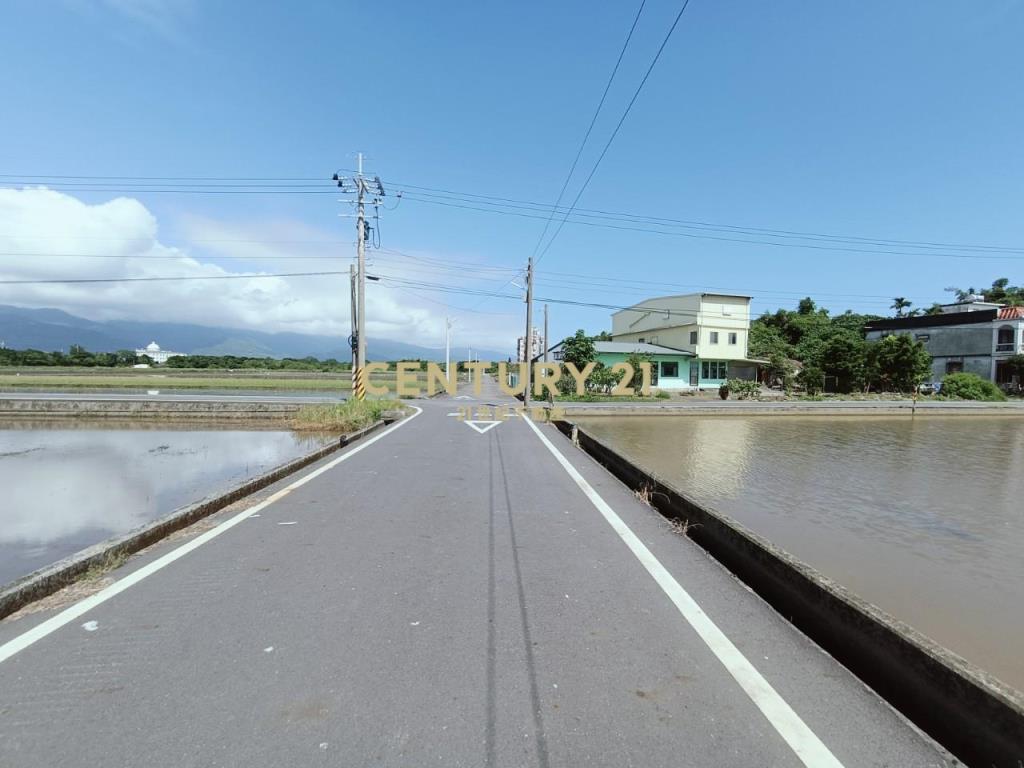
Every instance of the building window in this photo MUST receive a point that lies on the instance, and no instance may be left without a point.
(732, 338)
(954, 366)
(714, 337)
(1004, 339)
(922, 336)
(693, 337)
(670, 370)
(641, 340)
(714, 369)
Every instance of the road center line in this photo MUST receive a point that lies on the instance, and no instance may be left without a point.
(71, 613)
(801, 739)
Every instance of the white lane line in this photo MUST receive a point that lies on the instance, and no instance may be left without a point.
(38, 632)
(801, 739)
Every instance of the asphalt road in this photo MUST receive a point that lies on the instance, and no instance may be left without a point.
(441, 594)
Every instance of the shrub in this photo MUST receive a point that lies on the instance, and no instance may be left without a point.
(970, 386)
(662, 395)
(744, 389)
(812, 378)
(723, 391)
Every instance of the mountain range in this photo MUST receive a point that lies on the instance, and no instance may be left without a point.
(54, 329)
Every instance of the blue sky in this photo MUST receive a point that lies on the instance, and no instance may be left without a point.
(880, 120)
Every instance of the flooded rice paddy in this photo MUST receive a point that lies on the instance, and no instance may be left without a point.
(67, 489)
(923, 517)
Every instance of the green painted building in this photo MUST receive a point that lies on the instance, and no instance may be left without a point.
(670, 368)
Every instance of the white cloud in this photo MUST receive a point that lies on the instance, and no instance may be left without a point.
(38, 224)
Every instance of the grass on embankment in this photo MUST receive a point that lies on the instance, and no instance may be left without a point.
(344, 417)
(73, 382)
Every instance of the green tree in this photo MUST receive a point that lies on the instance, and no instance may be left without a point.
(812, 378)
(603, 379)
(900, 304)
(842, 356)
(897, 363)
(806, 306)
(766, 341)
(579, 350)
(635, 360)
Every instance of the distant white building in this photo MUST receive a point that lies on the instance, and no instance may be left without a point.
(536, 346)
(157, 355)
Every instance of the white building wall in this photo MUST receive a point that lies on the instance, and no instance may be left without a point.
(670, 321)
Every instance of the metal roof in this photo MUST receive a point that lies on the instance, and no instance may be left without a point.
(932, 321)
(1011, 313)
(644, 306)
(638, 347)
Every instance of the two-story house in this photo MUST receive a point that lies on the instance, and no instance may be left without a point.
(711, 328)
(975, 336)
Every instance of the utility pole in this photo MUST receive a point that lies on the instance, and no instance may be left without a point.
(448, 348)
(360, 390)
(353, 335)
(361, 187)
(546, 344)
(529, 324)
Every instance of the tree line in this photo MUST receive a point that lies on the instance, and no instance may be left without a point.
(1001, 292)
(78, 356)
(835, 347)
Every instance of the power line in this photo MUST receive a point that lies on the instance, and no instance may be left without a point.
(71, 281)
(528, 205)
(641, 307)
(531, 206)
(615, 132)
(590, 128)
(719, 238)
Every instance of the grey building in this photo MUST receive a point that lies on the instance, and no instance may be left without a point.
(975, 337)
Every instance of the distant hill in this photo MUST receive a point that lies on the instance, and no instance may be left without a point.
(54, 329)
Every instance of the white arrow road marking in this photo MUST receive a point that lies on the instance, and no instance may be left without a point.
(482, 426)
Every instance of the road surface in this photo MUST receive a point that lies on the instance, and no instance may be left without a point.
(443, 594)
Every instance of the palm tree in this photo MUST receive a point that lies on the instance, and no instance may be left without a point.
(899, 304)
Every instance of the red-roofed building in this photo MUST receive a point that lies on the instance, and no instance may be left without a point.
(974, 336)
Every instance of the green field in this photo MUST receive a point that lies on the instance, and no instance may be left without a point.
(94, 381)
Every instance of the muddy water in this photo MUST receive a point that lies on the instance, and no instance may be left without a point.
(67, 489)
(924, 518)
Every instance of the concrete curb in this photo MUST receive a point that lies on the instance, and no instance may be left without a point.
(744, 408)
(971, 713)
(167, 410)
(48, 580)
